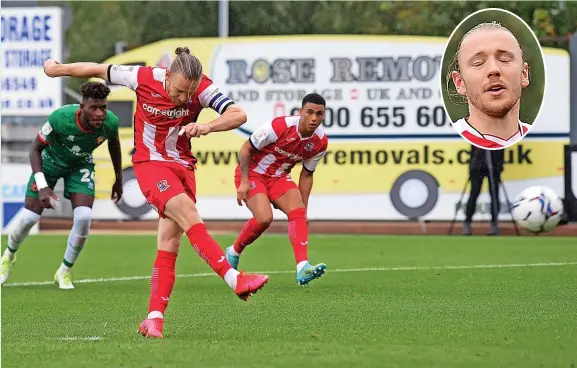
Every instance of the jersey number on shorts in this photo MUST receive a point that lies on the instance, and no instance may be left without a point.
(87, 176)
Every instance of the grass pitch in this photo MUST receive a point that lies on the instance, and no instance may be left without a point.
(384, 302)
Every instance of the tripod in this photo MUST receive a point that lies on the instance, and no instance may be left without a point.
(494, 189)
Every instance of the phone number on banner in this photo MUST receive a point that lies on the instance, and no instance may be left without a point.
(384, 119)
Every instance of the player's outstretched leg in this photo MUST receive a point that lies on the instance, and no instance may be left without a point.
(243, 284)
(182, 209)
(29, 216)
(162, 278)
(82, 217)
(259, 205)
(291, 204)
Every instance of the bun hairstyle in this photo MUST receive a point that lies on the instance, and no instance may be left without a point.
(186, 64)
(182, 50)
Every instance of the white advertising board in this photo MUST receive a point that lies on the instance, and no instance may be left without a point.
(29, 37)
(380, 89)
(13, 181)
(392, 152)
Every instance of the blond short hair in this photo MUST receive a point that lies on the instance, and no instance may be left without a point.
(454, 62)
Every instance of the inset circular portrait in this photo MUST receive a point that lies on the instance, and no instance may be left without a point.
(493, 78)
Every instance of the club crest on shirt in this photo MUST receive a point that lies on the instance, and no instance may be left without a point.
(123, 68)
(100, 140)
(309, 146)
(163, 185)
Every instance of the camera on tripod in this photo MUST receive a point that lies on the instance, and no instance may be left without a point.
(483, 163)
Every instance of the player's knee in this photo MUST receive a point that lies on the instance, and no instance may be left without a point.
(82, 219)
(169, 237)
(29, 218)
(169, 244)
(33, 205)
(182, 210)
(264, 219)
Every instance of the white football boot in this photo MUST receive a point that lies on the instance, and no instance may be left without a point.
(63, 279)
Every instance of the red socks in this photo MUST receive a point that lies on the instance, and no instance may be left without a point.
(208, 249)
(297, 230)
(163, 275)
(162, 281)
(298, 233)
(250, 232)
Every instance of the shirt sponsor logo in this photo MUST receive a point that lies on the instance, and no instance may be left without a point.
(290, 155)
(170, 113)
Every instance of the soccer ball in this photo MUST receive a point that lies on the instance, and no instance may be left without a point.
(537, 209)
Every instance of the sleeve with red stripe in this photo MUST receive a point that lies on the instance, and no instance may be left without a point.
(267, 133)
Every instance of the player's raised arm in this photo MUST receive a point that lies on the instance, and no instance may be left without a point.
(125, 75)
(53, 68)
(306, 177)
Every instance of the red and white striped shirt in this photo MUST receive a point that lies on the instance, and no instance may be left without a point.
(280, 147)
(488, 141)
(157, 119)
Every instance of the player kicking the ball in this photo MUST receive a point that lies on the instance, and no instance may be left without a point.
(263, 176)
(169, 102)
(63, 149)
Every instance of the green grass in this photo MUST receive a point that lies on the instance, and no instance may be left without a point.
(524, 316)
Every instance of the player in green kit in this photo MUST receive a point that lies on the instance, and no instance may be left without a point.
(63, 149)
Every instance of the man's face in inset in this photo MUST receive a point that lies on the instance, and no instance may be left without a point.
(492, 71)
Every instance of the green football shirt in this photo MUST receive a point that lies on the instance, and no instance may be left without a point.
(69, 144)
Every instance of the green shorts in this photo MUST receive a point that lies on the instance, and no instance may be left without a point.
(79, 179)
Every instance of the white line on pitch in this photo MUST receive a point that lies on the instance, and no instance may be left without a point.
(76, 338)
(338, 270)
